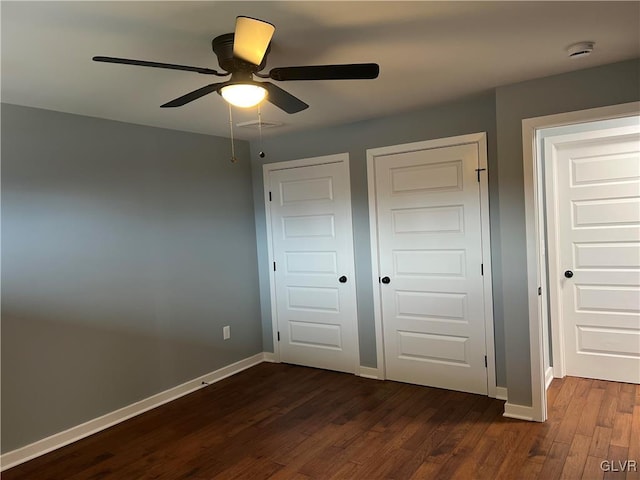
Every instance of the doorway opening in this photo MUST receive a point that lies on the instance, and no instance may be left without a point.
(577, 189)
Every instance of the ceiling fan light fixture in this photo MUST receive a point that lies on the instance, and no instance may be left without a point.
(243, 54)
(243, 95)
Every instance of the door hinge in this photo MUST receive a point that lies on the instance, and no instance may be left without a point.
(478, 170)
(482, 269)
(539, 290)
(485, 361)
(269, 196)
(274, 266)
(278, 336)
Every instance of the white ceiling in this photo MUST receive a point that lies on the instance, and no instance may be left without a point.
(429, 52)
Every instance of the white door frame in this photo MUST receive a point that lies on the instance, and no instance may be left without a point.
(267, 168)
(480, 139)
(535, 234)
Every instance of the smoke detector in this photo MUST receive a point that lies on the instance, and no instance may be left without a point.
(580, 49)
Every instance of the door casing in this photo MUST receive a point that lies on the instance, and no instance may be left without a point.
(480, 139)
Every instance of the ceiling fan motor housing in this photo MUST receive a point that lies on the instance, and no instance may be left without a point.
(223, 48)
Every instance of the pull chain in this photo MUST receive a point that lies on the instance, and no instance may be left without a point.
(261, 154)
(233, 151)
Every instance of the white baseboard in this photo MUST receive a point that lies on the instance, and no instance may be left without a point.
(501, 393)
(520, 412)
(28, 452)
(368, 372)
(269, 357)
(548, 377)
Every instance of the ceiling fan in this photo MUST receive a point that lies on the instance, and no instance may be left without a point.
(243, 54)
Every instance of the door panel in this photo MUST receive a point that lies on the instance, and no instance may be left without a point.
(597, 188)
(312, 248)
(430, 247)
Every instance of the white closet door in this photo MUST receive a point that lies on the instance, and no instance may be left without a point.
(430, 260)
(314, 266)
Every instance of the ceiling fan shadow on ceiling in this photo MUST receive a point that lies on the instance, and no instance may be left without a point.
(243, 54)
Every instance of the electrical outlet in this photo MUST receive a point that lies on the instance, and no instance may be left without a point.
(226, 332)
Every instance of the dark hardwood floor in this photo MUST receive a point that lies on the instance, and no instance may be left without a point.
(280, 421)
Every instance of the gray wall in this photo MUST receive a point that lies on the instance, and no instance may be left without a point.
(470, 115)
(125, 249)
(595, 87)
(500, 114)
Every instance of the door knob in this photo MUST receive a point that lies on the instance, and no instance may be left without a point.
(343, 279)
(385, 280)
(568, 273)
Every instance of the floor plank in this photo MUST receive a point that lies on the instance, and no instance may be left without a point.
(592, 469)
(277, 421)
(577, 457)
(554, 463)
(634, 444)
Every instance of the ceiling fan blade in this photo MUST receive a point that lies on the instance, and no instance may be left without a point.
(251, 39)
(171, 66)
(283, 99)
(191, 96)
(354, 71)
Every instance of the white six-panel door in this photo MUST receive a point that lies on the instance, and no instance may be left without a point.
(430, 261)
(312, 249)
(593, 211)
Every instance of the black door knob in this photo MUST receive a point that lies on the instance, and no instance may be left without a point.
(568, 274)
(343, 279)
(385, 280)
